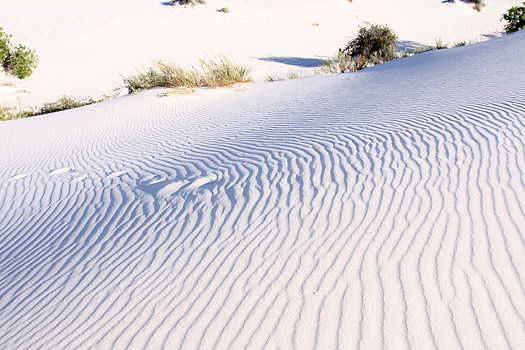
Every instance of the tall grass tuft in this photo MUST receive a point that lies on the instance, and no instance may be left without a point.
(217, 71)
(162, 73)
(222, 71)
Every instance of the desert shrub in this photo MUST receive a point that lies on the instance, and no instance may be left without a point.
(64, 103)
(515, 18)
(344, 62)
(224, 10)
(187, 2)
(222, 71)
(9, 113)
(23, 62)
(217, 71)
(376, 43)
(479, 4)
(19, 61)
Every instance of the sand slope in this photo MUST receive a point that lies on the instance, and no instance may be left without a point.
(378, 209)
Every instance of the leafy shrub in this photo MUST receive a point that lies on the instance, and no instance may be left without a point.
(5, 47)
(217, 71)
(515, 17)
(376, 43)
(19, 61)
(23, 62)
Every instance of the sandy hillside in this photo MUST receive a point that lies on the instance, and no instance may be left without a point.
(377, 209)
(85, 46)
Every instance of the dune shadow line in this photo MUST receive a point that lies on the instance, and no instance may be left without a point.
(294, 61)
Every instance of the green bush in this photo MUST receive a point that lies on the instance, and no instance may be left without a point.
(5, 48)
(23, 62)
(376, 43)
(20, 61)
(515, 17)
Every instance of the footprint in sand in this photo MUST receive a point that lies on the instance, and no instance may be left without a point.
(60, 171)
(201, 182)
(163, 188)
(78, 179)
(19, 177)
(115, 174)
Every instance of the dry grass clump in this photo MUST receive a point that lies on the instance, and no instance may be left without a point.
(216, 71)
(343, 62)
(162, 73)
(291, 75)
(222, 71)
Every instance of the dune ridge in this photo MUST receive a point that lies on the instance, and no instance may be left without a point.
(378, 209)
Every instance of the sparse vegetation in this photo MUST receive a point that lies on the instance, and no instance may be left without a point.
(216, 71)
(187, 2)
(515, 18)
(224, 10)
(479, 4)
(440, 44)
(64, 103)
(291, 75)
(343, 62)
(61, 104)
(19, 61)
(9, 113)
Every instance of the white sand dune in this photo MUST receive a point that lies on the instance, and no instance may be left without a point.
(378, 209)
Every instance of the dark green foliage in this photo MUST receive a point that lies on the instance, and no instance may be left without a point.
(515, 17)
(19, 61)
(376, 43)
(23, 62)
(5, 47)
